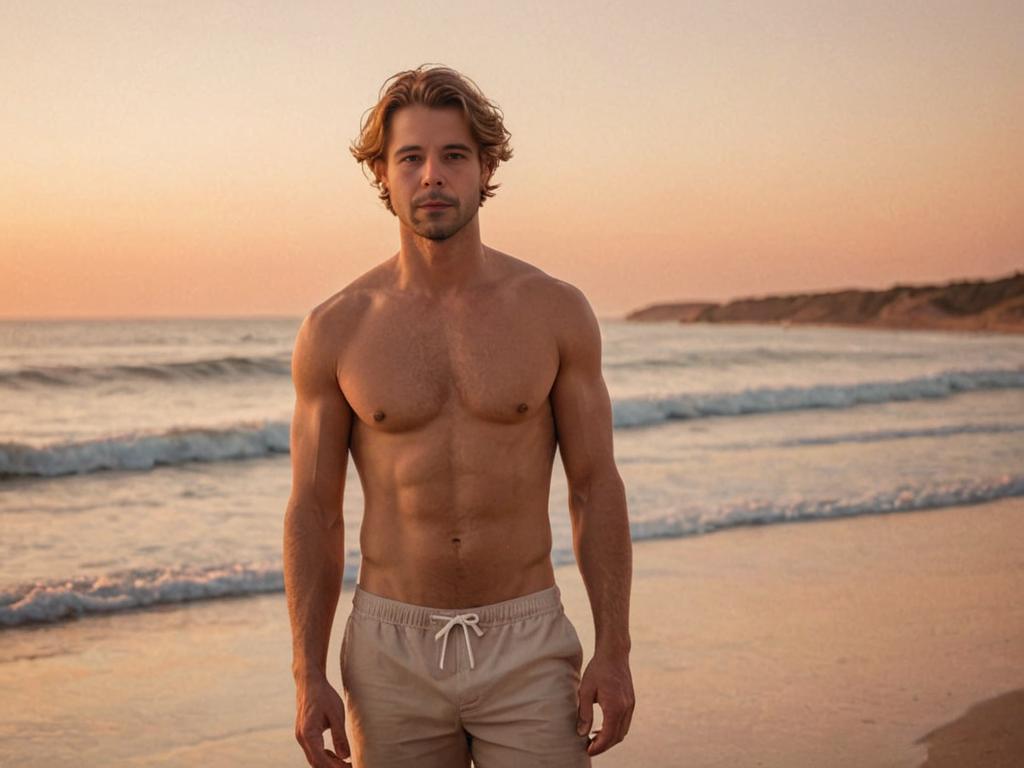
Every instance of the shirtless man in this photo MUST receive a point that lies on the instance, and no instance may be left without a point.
(451, 371)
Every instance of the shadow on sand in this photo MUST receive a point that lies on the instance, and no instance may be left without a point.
(989, 734)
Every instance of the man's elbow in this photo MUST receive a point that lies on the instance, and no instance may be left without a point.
(603, 489)
(310, 512)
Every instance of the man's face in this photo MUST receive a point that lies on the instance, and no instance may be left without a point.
(432, 158)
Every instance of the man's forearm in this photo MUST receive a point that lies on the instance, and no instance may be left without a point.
(604, 553)
(314, 560)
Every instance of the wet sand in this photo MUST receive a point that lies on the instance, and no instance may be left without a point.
(862, 642)
(879, 641)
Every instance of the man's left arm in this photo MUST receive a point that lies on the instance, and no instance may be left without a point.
(600, 522)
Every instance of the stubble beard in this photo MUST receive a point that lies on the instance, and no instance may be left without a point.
(424, 226)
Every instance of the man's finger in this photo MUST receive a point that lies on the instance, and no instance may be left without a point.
(621, 733)
(600, 742)
(610, 727)
(625, 723)
(586, 711)
(316, 755)
(338, 734)
(625, 718)
(335, 761)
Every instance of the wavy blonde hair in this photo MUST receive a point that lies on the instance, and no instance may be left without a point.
(434, 86)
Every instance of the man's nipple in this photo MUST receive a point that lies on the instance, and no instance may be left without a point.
(379, 415)
(522, 408)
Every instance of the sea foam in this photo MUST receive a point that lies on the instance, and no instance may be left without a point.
(648, 411)
(146, 450)
(56, 600)
(170, 371)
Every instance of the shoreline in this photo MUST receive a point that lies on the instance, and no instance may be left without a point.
(875, 640)
(839, 642)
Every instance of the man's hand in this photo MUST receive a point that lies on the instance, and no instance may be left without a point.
(608, 681)
(319, 707)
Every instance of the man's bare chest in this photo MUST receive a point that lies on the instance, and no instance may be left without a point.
(403, 370)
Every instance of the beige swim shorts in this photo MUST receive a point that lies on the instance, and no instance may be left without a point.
(437, 687)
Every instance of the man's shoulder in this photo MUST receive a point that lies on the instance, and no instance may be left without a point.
(562, 307)
(559, 297)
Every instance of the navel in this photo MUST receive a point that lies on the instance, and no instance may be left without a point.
(522, 408)
(379, 416)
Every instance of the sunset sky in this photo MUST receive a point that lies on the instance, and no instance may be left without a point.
(191, 158)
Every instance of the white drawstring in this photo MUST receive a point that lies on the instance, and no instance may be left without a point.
(466, 620)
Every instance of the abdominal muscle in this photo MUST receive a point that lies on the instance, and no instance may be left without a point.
(450, 530)
(422, 563)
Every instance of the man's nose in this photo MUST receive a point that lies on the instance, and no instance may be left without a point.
(432, 174)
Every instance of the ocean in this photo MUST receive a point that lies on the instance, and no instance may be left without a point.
(145, 462)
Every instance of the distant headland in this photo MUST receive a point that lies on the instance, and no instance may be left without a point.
(995, 305)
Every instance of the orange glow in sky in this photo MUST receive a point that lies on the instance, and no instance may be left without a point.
(191, 159)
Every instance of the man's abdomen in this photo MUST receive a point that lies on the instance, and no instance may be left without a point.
(459, 559)
(457, 512)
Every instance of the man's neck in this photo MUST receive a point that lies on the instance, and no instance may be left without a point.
(441, 267)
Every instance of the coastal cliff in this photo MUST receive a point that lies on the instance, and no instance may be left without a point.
(996, 305)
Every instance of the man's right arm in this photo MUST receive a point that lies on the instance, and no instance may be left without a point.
(314, 534)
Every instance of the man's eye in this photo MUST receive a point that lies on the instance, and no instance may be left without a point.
(416, 157)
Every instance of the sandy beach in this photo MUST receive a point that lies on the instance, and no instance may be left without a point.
(883, 641)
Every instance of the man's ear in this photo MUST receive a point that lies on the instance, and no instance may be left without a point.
(380, 170)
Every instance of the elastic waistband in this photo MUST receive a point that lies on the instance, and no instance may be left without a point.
(505, 612)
